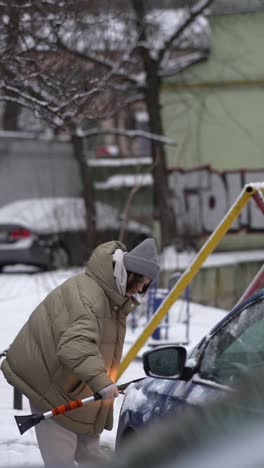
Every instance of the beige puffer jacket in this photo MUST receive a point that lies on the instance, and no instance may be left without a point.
(71, 345)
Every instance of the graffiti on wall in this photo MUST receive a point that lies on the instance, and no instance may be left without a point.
(201, 197)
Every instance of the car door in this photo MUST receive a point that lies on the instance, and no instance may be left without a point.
(236, 347)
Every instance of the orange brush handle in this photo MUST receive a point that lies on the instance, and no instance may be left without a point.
(69, 406)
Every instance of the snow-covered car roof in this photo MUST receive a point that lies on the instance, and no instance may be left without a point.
(50, 215)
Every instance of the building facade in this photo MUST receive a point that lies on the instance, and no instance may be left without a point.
(214, 110)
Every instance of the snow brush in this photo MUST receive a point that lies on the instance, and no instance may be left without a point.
(26, 422)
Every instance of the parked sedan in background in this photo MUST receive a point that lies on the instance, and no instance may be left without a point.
(52, 232)
(177, 381)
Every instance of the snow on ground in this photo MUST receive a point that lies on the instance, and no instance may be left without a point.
(19, 295)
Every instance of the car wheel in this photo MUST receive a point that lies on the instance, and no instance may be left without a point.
(59, 258)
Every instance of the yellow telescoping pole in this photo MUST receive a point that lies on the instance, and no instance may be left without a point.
(189, 274)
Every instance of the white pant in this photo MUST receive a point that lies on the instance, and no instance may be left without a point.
(61, 448)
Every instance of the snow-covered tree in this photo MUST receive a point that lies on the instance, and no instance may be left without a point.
(76, 62)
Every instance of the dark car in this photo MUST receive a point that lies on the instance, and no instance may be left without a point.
(224, 433)
(177, 381)
(52, 233)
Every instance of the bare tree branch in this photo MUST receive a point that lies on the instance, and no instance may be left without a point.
(128, 133)
(113, 68)
(27, 97)
(193, 12)
(182, 63)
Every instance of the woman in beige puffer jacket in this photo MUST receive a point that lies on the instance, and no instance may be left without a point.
(71, 345)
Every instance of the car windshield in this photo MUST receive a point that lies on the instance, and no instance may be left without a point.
(236, 347)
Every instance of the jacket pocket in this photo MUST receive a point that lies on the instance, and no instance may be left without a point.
(76, 389)
(69, 383)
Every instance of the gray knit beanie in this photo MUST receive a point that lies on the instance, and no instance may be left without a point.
(143, 259)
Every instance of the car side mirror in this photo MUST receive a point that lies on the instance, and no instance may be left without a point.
(167, 362)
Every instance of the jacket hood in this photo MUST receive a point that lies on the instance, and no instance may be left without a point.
(100, 267)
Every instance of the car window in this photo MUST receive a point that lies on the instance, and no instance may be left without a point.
(236, 347)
